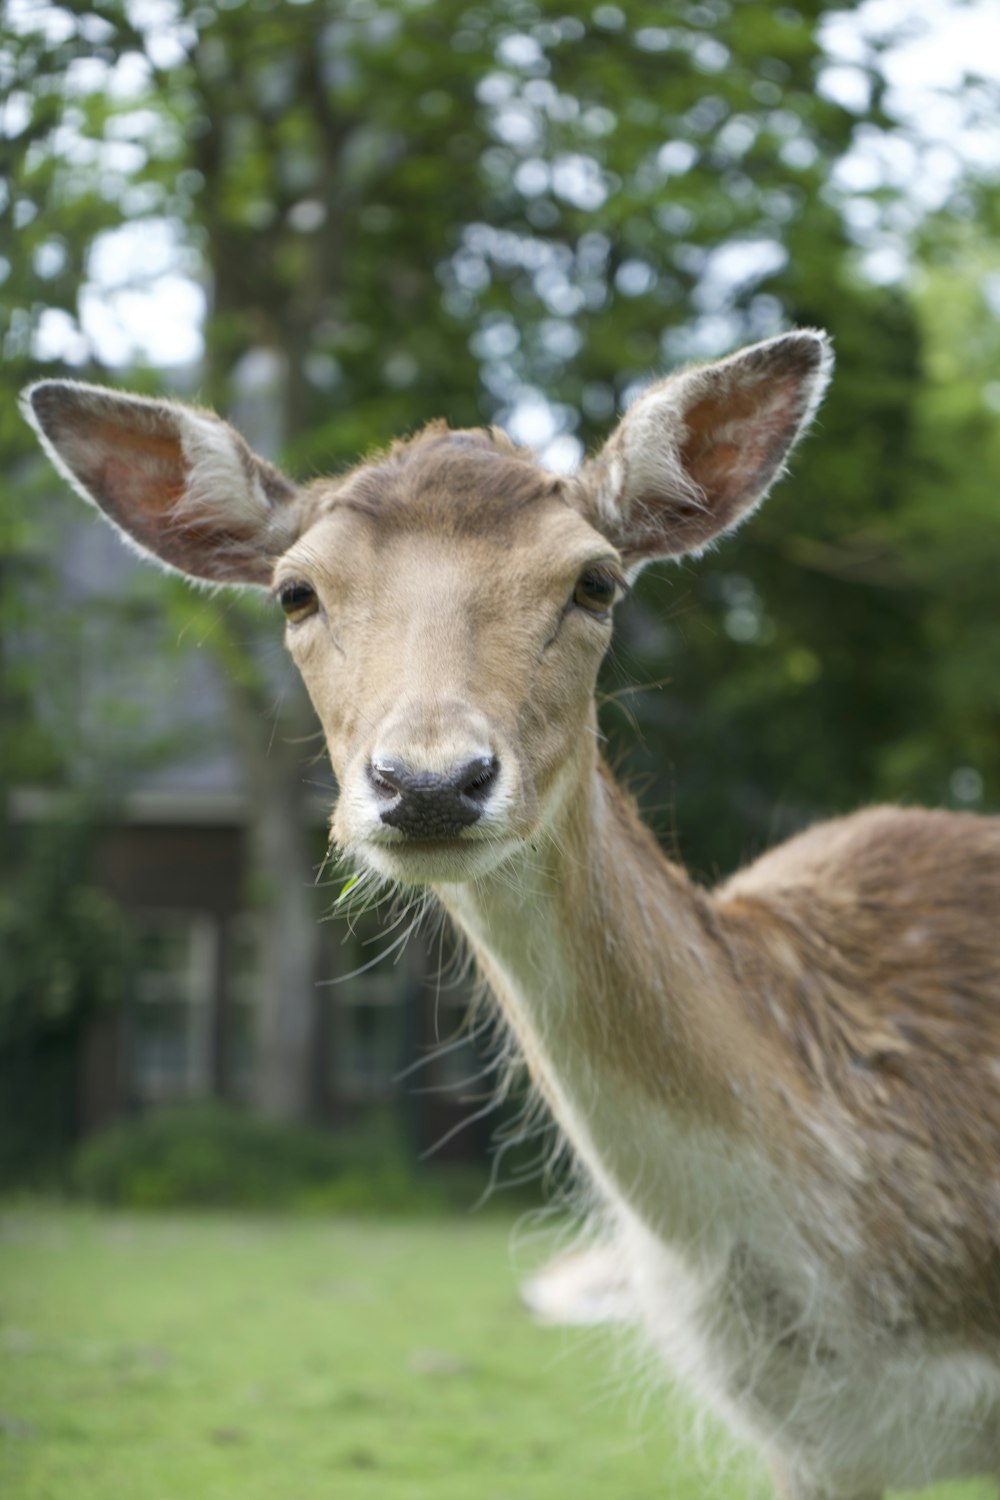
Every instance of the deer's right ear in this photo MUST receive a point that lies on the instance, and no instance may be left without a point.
(179, 483)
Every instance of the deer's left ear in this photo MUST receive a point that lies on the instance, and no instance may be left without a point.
(180, 484)
(697, 452)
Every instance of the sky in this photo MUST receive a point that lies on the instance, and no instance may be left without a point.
(143, 302)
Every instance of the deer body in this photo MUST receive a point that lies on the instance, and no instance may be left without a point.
(784, 1091)
(746, 1212)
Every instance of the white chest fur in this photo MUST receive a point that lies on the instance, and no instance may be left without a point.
(853, 1409)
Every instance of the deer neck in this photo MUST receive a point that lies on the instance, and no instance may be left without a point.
(606, 962)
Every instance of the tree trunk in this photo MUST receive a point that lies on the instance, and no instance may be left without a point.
(281, 859)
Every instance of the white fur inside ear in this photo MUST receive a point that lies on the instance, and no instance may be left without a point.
(610, 485)
(652, 436)
(642, 462)
(222, 481)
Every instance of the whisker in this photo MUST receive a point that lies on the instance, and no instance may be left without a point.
(449, 1135)
(400, 944)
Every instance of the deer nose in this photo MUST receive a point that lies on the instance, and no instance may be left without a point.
(433, 804)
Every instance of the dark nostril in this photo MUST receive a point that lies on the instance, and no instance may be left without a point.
(475, 780)
(387, 778)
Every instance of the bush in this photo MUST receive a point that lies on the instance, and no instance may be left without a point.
(211, 1155)
(64, 957)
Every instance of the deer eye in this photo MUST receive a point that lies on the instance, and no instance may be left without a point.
(298, 600)
(597, 590)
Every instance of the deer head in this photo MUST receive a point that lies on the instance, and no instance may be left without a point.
(448, 601)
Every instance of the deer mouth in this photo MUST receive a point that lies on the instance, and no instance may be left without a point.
(411, 860)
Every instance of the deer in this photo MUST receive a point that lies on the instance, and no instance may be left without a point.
(784, 1091)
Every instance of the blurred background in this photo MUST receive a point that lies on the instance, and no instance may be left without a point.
(333, 220)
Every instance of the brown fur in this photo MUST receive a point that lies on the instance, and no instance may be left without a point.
(869, 945)
(410, 489)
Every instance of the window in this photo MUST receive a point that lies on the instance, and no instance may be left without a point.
(368, 1037)
(170, 1030)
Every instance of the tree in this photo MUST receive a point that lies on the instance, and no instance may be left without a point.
(508, 212)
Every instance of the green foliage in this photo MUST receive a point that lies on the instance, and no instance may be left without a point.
(63, 943)
(447, 209)
(213, 1156)
(457, 209)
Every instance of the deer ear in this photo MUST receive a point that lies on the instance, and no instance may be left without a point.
(697, 452)
(178, 483)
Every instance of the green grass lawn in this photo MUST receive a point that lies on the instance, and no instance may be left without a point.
(203, 1358)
